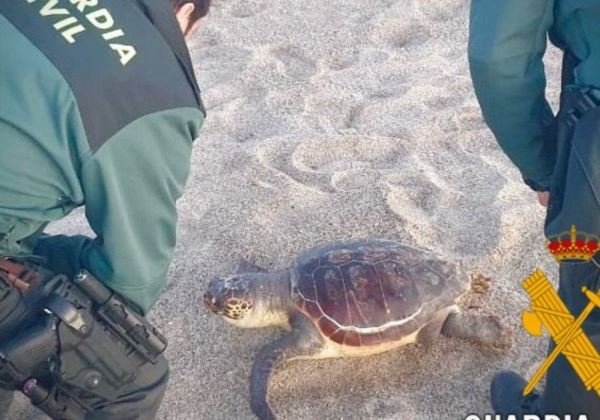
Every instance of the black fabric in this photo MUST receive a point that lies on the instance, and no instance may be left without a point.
(575, 192)
(574, 200)
(17, 310)
(131, 388)
(12, 308)
(569, 63)
(143, 398)
(535, 186)
(111, 95)
(167, 25)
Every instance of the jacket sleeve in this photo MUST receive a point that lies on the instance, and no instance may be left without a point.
(131, 185)
(507, 41)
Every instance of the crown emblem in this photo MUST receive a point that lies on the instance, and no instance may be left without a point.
(577, 246)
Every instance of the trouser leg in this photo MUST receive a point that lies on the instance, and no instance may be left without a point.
(565, 392)
(575, 200)
(133, 386)
(138, 399)
(141, 401)
(127, 385)
(575, 193)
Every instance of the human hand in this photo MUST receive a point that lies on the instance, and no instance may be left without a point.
(543, 197)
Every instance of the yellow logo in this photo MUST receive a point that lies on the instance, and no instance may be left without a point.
(549, 311)
(67, 20)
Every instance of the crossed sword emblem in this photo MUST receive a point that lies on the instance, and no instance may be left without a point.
(549, 311)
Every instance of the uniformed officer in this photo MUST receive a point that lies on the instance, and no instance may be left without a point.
(99, 107)
(559, 158)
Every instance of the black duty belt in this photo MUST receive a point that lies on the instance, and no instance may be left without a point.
(588, 100)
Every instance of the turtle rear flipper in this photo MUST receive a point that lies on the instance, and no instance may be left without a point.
(301, 342)
(478, 292)
(483, 329)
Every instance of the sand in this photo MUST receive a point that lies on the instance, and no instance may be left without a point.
(335, 120)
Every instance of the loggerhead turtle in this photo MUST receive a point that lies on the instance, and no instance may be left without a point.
(354, 298)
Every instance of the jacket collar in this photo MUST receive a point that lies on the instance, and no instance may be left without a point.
(160, 14)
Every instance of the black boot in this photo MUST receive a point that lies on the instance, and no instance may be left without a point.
(506, 395)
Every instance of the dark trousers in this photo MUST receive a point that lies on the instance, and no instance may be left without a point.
(565, 392)
(138, 400)
(575, 200)
(141, 401)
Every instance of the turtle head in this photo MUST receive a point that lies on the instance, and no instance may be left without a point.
(230, 297)
(248, 300)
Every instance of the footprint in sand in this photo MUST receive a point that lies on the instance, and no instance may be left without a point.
(333, 164)
(248, 9)
(422, 200)
(296, 64)
(399, 33)
(433, 194)
(442, 10)
(414, 190)
(426, 189)
(470, 119)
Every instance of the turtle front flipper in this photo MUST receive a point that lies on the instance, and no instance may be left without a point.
(301, 342)
(483, 329)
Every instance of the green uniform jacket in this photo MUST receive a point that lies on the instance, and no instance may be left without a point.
(506, 45)
(98, 108)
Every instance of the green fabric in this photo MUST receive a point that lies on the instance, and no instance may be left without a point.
(129, 187)
(507, 41)
(42, 142)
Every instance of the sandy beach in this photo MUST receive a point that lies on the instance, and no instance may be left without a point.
(336, 120)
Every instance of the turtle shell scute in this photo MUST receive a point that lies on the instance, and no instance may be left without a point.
(364, 293)
(338, 256)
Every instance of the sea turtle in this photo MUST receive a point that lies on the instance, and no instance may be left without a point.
(354, 298)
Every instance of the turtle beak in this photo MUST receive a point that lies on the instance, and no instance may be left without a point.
(211, 303)
(214, 297)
